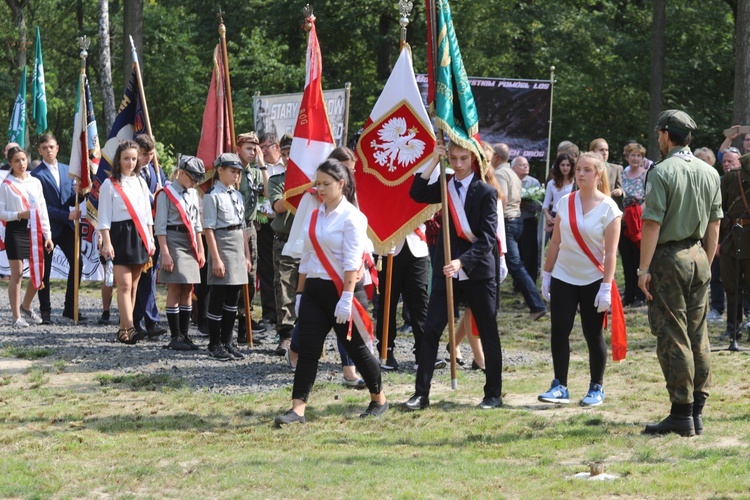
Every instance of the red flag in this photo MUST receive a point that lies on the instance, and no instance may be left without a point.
(313, 138)
(215, 130)
(396, 144)
(85, 153)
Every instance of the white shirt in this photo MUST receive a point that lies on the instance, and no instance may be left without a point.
(417, 245)
(11, 203)
(342, 232)
(112, 207)
(552, 194)
(572, 265)
(465, 182)
(55, 171)
(278, 168)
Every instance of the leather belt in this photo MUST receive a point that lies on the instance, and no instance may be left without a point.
(236, 227)
(741, 222)
(179, 229)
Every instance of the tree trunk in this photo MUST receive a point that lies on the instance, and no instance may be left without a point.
(384, 46)
(105, 67)
(656, 86)
(19, 19)
(133, 26)
(80, 16)
(741, 111)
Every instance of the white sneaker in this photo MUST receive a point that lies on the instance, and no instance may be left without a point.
(20, 323)
(714, 316)
(31, 316)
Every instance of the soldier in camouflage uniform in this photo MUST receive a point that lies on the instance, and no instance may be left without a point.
(683, 208)
(735, 192)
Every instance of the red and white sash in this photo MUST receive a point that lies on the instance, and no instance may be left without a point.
(138, 219)
(36, 238)
(360, 317)
(172, 195)
(461, 223)
(619, 330)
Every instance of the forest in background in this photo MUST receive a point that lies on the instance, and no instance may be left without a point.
(601, 50)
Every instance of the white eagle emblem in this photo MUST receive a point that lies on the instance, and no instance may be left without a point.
(398, 145)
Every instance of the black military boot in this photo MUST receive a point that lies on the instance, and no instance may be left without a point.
(699, 401)
(680, 421)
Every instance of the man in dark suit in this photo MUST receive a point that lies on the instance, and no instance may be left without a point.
(473, 266)
(60, 196)
(145, 309)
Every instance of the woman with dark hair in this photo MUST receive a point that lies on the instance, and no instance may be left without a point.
(126, 225)
(334, 244)
(560, 184)
(23, 206)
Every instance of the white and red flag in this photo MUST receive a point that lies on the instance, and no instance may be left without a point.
(85, 153)
(313, 138)
(396, 144)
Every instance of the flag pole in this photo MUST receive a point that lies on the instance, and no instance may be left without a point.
(444, 208)
(83, 42)
(146, 118)
(404, 8)
(233, 138)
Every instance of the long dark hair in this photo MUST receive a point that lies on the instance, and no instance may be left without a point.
(343, 154)
(338, 171)
(116, 169)
(12, 152)
(557, 175)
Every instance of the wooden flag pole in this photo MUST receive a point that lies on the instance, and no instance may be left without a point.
(233, 138)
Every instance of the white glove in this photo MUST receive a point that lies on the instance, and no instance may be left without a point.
(604, 298)
(343, 309)
(503, 271)
(296, 304)
(546, 280)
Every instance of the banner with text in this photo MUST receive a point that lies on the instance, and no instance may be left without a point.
(516, 112)
(278, 113)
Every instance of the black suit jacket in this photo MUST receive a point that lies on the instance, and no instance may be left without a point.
(479, 258)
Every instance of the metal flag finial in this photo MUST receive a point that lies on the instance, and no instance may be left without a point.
(307, 11)
(84, 43)
(405, 7)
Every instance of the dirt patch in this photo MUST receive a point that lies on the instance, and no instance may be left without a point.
(13, 366)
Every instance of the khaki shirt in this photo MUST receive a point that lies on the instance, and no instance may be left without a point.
(683, 196)
(510, 185)
(282, 223)
(251, 183)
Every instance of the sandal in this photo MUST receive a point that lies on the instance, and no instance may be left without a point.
(122, 336)
(135, 335)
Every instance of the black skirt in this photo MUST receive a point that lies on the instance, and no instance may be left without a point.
(127, 243)
(17, 240)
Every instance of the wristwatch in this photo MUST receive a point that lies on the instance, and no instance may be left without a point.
(641, 272)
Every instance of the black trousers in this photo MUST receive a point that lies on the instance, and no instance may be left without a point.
(315, 320)
(631, 258)
(265, 272)
(565, 299)
(410, 279)
(528, 247)
(481, 297)
(66, 241)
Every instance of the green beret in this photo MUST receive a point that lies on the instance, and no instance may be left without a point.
(676, 121)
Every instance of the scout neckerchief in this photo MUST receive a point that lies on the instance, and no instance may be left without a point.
(359, 316)
(36, 238)
(619, 333)
(138, 219)
(172, 195)
(461, 223)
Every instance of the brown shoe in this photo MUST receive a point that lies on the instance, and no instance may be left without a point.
(536, 315)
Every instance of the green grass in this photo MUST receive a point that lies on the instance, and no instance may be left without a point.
(30, 353)
(141, 382)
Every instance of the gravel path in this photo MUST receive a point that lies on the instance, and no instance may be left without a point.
(90, 347)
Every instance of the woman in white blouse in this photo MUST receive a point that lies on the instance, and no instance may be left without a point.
(21, 200)
(558, 186)
(334, 243)
(571, 280)
(126, 226)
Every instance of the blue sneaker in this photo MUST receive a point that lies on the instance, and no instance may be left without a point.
(557, 394)
(594, 397)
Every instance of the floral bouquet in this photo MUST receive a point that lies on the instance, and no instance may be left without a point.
(531, 198)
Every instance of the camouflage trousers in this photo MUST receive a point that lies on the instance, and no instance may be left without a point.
(680, 274)
(286, 274)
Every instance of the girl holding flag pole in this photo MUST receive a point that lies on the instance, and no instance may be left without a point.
(126, 226)
(27, 233)
(334, 244)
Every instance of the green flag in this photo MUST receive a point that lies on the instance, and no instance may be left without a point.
(17, 127)
(39, 96)
(455, 110)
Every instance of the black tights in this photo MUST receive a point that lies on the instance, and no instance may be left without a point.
(222, 310)
(565, 298)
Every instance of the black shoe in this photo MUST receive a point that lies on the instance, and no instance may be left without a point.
(698, 424)
(257, 327)
(405, 328)
(637, 303)
(459, 360)
(417, 402)
(490, 403)
(289, 418)
(390, 362)
(475, 366)
(440, 363)
(217, 351)
(203, 329)
(46, 320)
(69, 315)
(103, 319)
(374, 409)
(684, 426)
(190, 342)
(231, 348)
(282, 347)
(155, 330)
(179, 344)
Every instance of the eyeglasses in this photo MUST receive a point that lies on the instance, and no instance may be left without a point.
(732, 150)
(263, 148)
